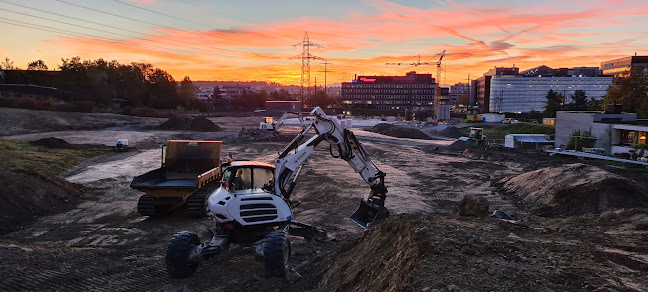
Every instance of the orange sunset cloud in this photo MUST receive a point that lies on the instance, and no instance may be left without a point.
(476, 38)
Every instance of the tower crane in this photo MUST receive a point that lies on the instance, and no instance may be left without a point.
(437, 92)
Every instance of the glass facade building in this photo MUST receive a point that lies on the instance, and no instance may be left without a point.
(623, 65)
(524, 94)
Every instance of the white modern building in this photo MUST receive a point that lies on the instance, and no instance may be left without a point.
(204, 93)
(524, 94)
(614, 132)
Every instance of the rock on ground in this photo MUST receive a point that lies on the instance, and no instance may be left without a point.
(472, 205)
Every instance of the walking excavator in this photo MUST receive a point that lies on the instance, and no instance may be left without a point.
(253, 207)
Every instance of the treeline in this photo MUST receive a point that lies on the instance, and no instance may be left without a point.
(140, 84)
(102, 82)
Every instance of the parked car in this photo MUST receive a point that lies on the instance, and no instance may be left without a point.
(510, 121)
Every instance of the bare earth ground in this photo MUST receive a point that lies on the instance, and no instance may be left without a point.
(103, 244)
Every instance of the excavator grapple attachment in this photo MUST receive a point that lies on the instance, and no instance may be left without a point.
(369, 213)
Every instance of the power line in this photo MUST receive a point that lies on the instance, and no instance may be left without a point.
(77, 34)
(160, 13)
(137, 20)
(217, 50)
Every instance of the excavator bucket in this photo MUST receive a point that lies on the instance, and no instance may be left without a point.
(369, 213)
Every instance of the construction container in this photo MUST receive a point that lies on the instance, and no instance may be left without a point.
(188, 171)
(549, 121)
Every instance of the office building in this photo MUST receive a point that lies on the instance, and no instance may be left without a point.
(411, 96)
(480, 90)
(623, 65)
(457, 91)
(510, 90)
(520, 94)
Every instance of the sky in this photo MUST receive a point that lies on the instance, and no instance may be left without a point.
(262, 40)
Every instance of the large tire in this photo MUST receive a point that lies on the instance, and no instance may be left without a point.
(276, 254)
(177, 255)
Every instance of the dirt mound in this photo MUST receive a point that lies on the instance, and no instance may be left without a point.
(399, 132)
(25, 196)
(381, 261)
(53, 142)
(188, 123)
(253, 135)
(487, 154)
(457, 146)
(453, 132)
(574, 189)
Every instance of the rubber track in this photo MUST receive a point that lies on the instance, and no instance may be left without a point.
(146, 206)
(196, 202)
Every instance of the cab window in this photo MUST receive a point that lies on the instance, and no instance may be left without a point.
(248, 178)
(262, 177)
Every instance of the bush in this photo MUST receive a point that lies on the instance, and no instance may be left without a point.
(28, 103)
(81, 106)
(578, 140)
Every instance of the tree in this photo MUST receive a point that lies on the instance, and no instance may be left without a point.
(37, 65)
(579, 101)
(187, 93)
(7, 64)
(163, 90)
(578, 140)
(464, 100)
(630, 91)
(281, 94)
(554, 103)
(595, 104)
(320, 98)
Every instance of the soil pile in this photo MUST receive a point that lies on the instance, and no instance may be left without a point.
(53, 142)
(382, 260)
(399, 132)
(25, 196)
(487, 154)
(574, 189)
(453, 132)
(252, 135)
(457, 146)
(188, 123)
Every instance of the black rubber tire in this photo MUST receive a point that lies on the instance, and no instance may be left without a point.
(177, 254)
(276, 254)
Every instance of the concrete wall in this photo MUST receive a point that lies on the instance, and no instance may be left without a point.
(568, 122)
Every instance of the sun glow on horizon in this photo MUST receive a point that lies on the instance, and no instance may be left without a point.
(476, 37)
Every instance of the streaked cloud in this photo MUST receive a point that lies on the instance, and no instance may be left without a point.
(360, 41)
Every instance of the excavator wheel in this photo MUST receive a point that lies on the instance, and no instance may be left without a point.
(178, 261)
(276, 254)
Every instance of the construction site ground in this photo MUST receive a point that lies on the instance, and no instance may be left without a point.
(100, 243)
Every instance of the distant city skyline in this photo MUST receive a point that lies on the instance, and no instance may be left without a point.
(252, 40)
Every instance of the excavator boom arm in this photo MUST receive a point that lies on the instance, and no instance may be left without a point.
(349, 149)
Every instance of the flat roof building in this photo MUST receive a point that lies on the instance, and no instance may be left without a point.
(623, 65)
(508, 95)
(611, 132)
(412, 95)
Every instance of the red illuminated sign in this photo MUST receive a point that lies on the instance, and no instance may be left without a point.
(367, 79)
